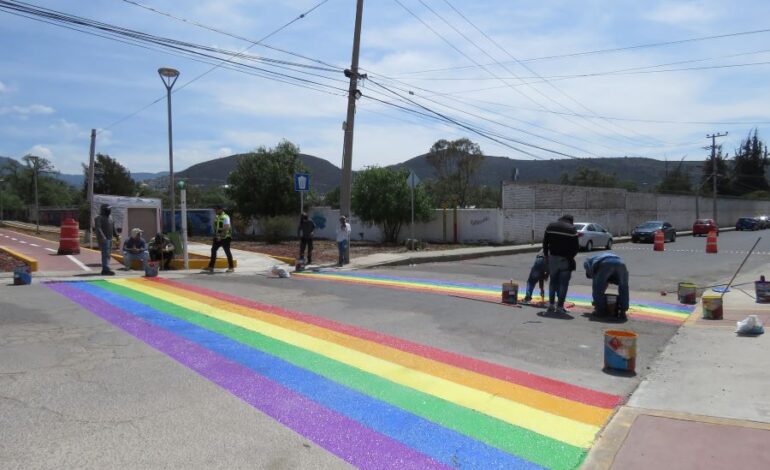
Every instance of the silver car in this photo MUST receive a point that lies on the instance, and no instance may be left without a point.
(592, 235)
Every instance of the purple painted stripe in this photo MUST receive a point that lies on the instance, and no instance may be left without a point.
(341, 436)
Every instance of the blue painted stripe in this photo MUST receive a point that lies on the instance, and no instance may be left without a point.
(443, 445)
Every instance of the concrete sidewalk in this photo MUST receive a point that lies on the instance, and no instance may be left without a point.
(706, 402)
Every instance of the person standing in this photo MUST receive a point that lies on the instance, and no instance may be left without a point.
(607, 268)
(343, 239)
(223, 235)
(135, 248)
(306, 231)
(105, 232)
(560, 245)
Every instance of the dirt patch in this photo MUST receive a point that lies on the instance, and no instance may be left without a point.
(8, 263)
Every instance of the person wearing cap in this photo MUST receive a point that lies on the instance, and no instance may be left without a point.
(343, 237)
(223, 235)
(560, 246)
(104, 226)
(135, 248)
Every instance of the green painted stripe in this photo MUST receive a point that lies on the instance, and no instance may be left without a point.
(534, 447)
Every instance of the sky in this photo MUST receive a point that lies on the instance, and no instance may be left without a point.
(522, 79)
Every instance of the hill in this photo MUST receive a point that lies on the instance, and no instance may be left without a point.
(645, 172)
(325, 176)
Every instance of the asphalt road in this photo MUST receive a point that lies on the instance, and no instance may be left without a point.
(81, 392)
(650, 271)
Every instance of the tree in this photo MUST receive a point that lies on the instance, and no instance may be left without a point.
(262, 184)
(332, 198)
(676, 181)
(585, 176)
(749, 166)
(456, 163)
(381, 196)
(724, 185)
(110, 177)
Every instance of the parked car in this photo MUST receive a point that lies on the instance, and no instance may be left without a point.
(704, 226)
(747, 223)
(763, 221)
(646, 232)
(592, 235)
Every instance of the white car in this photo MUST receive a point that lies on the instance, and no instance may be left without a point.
(592, 235)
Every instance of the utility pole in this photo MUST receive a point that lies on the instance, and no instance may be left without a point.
(35, 169)
(353, 94)
(714, 172)
(91, 165)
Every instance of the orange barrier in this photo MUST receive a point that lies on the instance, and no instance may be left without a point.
(660, 242)
(711, 242)
(69, 238)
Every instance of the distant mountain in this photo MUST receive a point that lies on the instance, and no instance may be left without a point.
(324, 175)
(77, 179)
(7, 161)
(645, 172)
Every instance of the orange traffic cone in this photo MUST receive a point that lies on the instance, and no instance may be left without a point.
(711, 242)
(660, 243)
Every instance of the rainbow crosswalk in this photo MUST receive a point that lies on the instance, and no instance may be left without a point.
(374, 401)
(652, 311)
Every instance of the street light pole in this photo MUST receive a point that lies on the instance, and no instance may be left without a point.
(2, 183)
(35, 168)
(169, 76)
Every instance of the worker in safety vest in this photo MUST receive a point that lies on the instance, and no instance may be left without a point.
(607, 268)
(222, 237)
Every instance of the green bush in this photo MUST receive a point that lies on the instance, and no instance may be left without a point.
(275, 229)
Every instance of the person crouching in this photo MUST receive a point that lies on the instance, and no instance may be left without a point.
(604, 269)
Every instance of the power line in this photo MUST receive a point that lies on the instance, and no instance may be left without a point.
(185, 49)
(611, 50)
(525, 66)
(472, 60)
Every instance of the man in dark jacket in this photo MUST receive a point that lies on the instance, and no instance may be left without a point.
(305, 232)
(104, 226)
(560, 245)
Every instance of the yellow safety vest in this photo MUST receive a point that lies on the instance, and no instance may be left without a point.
(219, 226)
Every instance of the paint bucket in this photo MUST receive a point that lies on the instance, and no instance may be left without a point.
(22, 276)
(762, 290)
(687, 293)
(151, 270)
(620, 350)
(712, 307)
(610, 305)
(510, 292)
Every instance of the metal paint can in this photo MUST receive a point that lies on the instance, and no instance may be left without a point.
(762, 291)
(22, 276)
(611, 305)
(510, 293)
(712, 307)
(687, 293)
(620, 350)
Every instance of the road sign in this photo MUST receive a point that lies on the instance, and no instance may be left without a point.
(302, 182)
(412, 180)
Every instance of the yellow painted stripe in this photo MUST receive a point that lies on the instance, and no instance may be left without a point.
(411, 285)
(557, 427)
(577, 411)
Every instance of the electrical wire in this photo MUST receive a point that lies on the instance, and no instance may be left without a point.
(610, 50)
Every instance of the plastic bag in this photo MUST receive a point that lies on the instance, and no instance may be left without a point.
(750, 325)
(279, 271)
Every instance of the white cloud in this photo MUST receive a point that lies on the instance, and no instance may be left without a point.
(27, 110)
(3, 88)
(224, 152)
(681, 13)
(40, 151)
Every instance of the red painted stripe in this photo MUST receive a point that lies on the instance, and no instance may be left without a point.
(544, 384)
